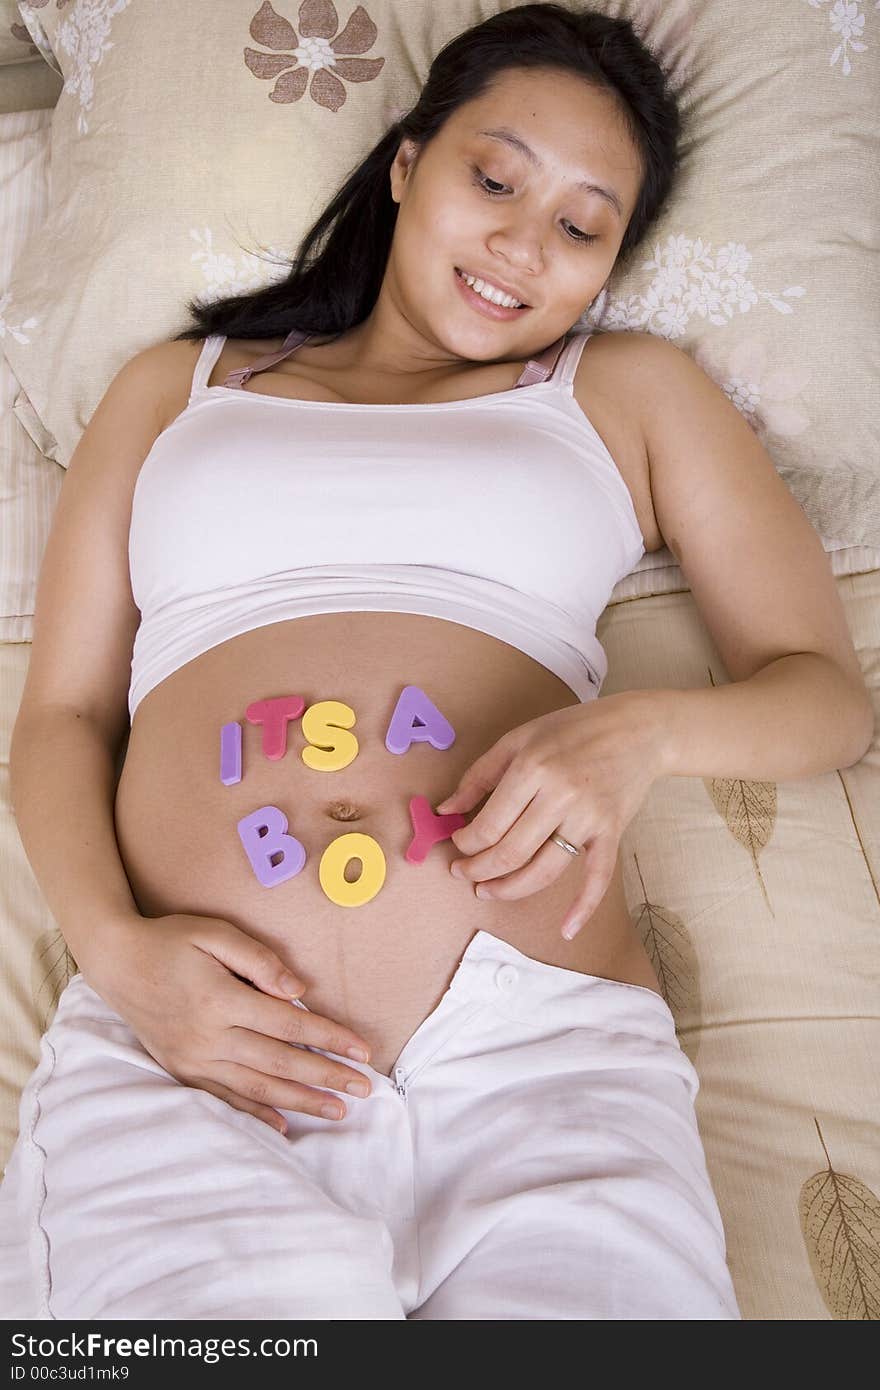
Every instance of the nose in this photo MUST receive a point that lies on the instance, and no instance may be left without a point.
(521, 249)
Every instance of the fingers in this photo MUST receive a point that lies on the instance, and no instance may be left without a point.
(244, 957)
(265, 1055)
(515, 863)
(545, 868)
(600, 871)
(268, 1016)
(255, 1086)
(262, 1112)
(509, 792)
(285, 1074)
(479, 780)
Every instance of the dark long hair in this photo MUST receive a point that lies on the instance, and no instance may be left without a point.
(333, 289)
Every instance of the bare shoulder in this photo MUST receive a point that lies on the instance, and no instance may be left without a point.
(655, 390)
(173, 364)
(644, 368)
(167, 370)
(180, 357)
(623, 357)
(755, 565)
(604, 387)
(170, 357)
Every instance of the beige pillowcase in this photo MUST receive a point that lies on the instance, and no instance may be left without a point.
(187, 154)
(29, 482)
(16, 44)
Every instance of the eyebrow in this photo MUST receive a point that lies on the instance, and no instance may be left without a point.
(516, 142)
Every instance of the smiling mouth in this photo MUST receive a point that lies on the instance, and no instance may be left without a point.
(461, 274)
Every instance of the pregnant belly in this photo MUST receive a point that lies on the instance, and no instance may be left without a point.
(379, 967)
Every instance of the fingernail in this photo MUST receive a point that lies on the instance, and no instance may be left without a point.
(456, 871)
(357, 1054)
(482, 892)
(291, 984)
(570, 930)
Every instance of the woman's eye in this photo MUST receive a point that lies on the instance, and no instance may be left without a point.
(481, 179)
(486, 179)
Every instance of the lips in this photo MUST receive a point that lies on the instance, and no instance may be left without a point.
(487, 280)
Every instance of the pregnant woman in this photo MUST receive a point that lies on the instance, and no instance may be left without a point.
(343, 546)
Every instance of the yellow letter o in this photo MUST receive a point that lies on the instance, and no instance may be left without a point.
(331, 870)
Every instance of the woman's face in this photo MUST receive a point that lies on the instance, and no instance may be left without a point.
(529, 233)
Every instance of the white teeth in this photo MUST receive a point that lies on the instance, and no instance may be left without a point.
(489, 292)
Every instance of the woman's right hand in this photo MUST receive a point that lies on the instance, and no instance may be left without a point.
(174, 980)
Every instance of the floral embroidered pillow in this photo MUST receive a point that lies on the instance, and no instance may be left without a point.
(16, 44)
(192, 145)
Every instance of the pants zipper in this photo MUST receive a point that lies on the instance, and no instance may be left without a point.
(402, 1077)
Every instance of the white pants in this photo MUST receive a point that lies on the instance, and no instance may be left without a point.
(543, 1161)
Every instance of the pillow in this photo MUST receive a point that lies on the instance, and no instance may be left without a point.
(184, 150)
(16, 44)
(29, 482)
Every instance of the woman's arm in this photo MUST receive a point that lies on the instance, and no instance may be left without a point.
(798, 716)
(180, 980)
(73, 715)
(63, 782)
(798, 703)
(69, 738)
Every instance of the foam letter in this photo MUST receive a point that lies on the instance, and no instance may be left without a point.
(416, 719)
(334, 749)
(273, 715)
(263, 835)
(429, 829)
(230, 754)
(334, 860)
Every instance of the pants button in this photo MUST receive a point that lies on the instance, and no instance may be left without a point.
(506, 977)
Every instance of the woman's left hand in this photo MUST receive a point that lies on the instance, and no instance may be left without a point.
(581, 772)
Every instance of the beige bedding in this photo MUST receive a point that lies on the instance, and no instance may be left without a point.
(759, 902)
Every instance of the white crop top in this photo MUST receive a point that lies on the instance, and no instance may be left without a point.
(502, 512)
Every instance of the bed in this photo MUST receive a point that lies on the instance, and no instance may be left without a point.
(151, 152)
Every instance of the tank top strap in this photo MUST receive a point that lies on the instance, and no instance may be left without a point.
(540, 368)
(569, 359)
(211, 349)
(296, 338)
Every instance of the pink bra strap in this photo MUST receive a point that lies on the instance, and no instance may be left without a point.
(537, 369)
(541, 367)
(293, 340)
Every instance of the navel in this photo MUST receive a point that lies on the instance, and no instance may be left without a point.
(343, 810)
